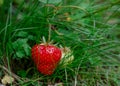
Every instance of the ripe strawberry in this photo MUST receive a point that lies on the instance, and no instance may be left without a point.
(46, 57)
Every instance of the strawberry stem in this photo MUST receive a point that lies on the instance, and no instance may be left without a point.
(49, 31)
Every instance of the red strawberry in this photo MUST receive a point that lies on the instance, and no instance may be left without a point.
(46, 57)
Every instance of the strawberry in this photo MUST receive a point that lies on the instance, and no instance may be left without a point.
(67, 56)
(46, 57)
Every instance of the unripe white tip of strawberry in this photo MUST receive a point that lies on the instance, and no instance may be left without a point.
(67, 56)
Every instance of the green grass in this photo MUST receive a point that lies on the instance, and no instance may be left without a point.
(89, 27)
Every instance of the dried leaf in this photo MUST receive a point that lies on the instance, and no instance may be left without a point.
(7, 80)
(58, 84)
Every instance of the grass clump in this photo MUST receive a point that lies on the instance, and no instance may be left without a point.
(89, 28)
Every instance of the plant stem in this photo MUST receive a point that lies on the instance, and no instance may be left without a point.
(49, 31)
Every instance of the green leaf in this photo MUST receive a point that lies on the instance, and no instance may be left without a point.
(30, 37)
(27, 49)
(20, 54)
(22, 34)
(21, 48)
(51, 1)
(18, 43)
(22, 73)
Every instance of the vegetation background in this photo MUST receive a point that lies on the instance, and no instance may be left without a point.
(91, 28)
